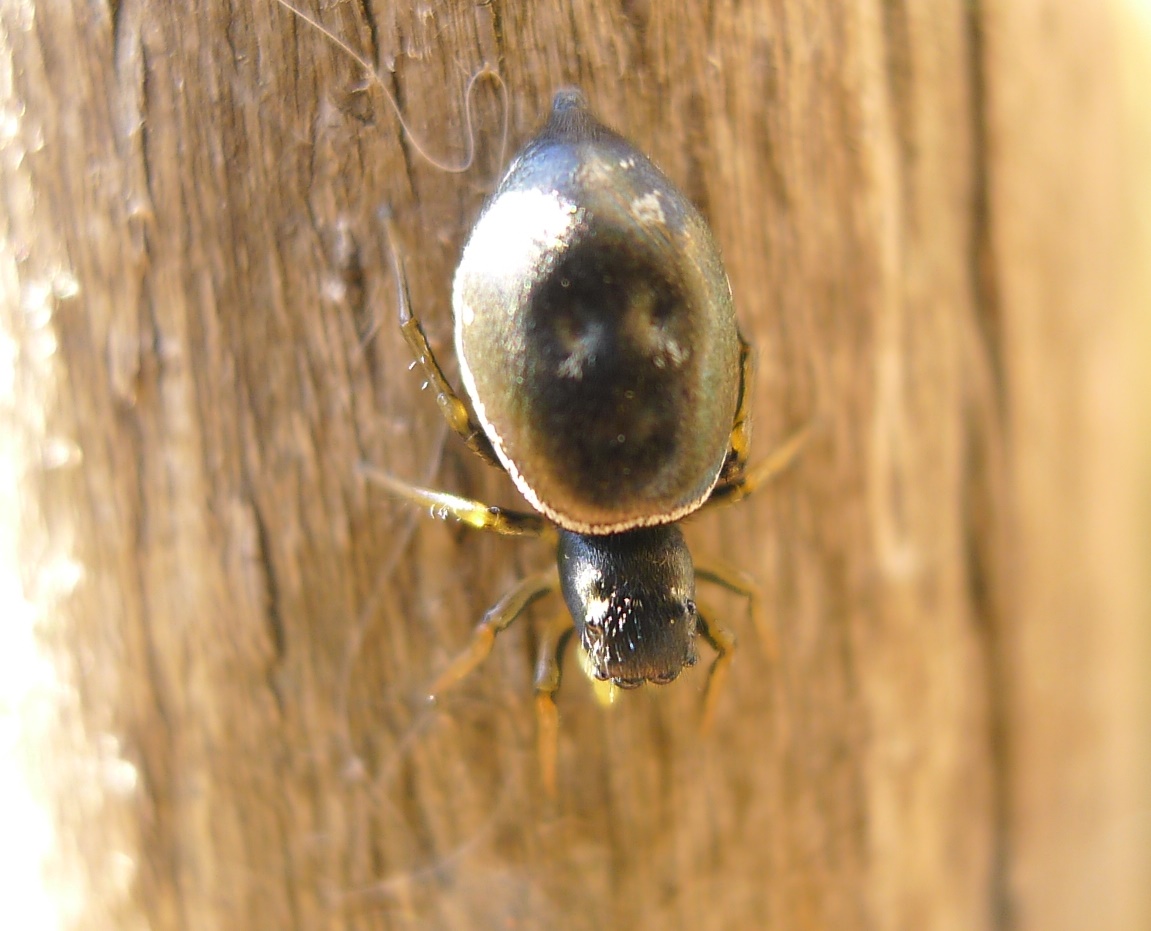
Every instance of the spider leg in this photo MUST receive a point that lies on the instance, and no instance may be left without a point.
(497, 619)
(739, 484)
(448, 401)
(746, 587)
(553, 641)
(723, 642)
(740, 442)
(468, 511)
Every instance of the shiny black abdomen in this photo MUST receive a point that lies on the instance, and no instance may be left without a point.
(596, 333)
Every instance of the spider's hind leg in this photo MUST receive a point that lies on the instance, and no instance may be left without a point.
(454, 410)
(740, 443)
(736, 480)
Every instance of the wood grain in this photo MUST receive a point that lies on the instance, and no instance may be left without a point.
(934, 219)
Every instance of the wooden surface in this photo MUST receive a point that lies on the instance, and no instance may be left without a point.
(935, 221)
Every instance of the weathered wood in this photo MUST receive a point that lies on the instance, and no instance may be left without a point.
(933, 216)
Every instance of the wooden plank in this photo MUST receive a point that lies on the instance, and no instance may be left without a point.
(1067, 150)
(933, 220)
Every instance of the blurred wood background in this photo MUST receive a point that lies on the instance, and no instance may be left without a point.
(937, 222)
